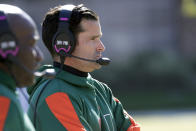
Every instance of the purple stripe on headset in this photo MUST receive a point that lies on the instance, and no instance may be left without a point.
(2, 17)
(64, 19)
(13, 52)
(58, 50)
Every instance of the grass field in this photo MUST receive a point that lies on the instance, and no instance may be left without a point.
(167, 120)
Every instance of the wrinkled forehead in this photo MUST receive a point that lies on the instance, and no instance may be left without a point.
(19, 21)
(29, 26)
(22, 26)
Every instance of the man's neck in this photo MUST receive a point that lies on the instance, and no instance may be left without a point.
(71, 69)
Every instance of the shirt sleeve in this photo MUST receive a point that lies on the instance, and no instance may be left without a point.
(4, 106)
(58, 113)
(11, 117)
(123, 120)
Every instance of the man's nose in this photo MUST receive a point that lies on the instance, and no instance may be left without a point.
(101, 47)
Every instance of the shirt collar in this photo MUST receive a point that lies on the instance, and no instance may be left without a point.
(71, 70)
(74, 79)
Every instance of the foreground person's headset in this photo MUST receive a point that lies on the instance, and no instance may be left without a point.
(9, 48)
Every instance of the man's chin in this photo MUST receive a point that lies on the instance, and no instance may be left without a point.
(98, 66)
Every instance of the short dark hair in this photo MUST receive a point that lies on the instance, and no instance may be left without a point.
(50, 23)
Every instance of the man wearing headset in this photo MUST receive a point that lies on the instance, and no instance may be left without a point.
(19, 57)
(73, 100)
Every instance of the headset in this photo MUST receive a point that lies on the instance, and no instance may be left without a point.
(8, 42)
(9, 48)
(64, 41)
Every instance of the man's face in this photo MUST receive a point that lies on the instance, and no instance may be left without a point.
(29, 54)
(89, 45)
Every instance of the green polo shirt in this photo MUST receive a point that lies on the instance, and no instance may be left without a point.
(73, 103)
(12, 117)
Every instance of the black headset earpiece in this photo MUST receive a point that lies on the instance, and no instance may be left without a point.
(8, 42)
(63, 40)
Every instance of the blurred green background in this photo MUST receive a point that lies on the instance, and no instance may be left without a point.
(153, 80)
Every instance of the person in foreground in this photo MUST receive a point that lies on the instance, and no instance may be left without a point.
(73, 100)
(18, 57)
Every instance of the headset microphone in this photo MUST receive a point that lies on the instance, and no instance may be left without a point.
(48, 73)
(101, 61)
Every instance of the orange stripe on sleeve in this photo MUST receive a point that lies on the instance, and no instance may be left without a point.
(116, 99)
(134, 126)
(4, 107)
(62, 108)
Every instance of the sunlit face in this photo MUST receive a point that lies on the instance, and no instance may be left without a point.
(89, 45)
(29, 54)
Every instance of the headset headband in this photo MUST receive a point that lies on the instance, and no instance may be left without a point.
(3, 23)
(63, 40)
(8, 43)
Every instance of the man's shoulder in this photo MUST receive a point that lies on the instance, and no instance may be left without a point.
(51, 86)
(13, 114)
(6, 92)
(60, 85)
(10, 100)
